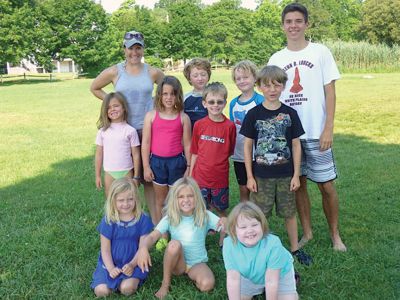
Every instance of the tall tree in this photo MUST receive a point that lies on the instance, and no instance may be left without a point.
(267, 37)
(68, 29)
(333, 19)
(381, 21)
(185, 30)
(16, 30)
(228, 31)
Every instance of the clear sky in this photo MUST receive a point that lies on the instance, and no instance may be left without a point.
(112, 5)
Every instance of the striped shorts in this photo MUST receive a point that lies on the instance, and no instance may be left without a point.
(318, 166)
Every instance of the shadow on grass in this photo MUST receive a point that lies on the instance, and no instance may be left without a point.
(49, 244)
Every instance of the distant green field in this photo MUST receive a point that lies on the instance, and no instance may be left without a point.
(49, 207)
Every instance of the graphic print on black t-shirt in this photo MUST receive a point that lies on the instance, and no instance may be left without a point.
(272, 147)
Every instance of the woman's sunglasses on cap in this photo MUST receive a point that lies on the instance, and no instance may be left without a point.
(130, 35)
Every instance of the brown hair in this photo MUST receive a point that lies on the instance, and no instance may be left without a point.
(248, 210)
(199, 63)
(176, 86)
(270, 74)
(215, 88)
(103, 121)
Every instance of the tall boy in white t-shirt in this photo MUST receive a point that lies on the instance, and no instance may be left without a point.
(312, 73)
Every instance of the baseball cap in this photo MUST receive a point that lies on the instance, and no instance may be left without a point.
(133, 37)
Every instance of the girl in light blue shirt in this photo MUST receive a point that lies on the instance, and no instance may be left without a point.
(254, 259)
(187, 221)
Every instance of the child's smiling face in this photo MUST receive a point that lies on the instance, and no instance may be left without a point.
(248, 230)
(186, 201)
(244, 80)
(198, 79)
(115, 111)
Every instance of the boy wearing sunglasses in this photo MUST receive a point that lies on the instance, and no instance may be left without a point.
(213, 142)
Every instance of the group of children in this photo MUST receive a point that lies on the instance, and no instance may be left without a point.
(195, 163)
(185, 150)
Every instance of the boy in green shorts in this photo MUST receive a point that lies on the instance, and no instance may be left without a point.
(274, 128)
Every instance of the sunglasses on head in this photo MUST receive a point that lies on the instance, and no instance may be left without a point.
(130, 35)
(212, 102)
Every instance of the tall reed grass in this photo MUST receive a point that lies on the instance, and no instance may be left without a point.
(365, 57)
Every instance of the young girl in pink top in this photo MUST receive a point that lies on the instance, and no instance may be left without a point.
(117, 143)
(166, 142)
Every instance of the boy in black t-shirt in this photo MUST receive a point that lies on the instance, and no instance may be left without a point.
(274, 128)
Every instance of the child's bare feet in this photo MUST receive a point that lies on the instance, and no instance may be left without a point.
(304, 240)
(338, 245)
(162, 292)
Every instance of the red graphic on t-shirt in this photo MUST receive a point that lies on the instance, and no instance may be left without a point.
(296, 82)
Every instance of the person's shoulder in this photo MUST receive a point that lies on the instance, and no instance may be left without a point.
(318, 47)
(234, 101)
(278, 54)
(156, 74)
(272, 239)
(287, 108)
(144, 218)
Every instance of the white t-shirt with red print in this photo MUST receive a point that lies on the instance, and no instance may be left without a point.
(308, 70)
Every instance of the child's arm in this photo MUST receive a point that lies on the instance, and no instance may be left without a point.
(143, 256)
(186, 139)
(98, 162)
(233, 284)
(248, 162)
(146, 140)
(105, 246)
(192, 163)
(128, 268)
(136, 164)
(296, 152)
(272, 283)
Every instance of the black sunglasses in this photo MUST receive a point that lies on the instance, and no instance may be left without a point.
(130, 35)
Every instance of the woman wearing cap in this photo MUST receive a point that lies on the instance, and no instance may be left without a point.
(135, 80)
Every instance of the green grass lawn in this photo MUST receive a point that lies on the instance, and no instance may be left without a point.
(49, 207)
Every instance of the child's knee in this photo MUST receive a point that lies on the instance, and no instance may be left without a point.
(127, 287)
(174, 247)
(206, 284)
(102, 291)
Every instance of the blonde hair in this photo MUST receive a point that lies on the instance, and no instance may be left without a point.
(172, 210)
(199, 63)
(118, 186)
(104, 121)
(270, 74)
(248, 210)
(247, 66)
(177, 88)
(215, 88)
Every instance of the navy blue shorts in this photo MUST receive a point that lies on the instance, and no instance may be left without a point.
(167, 170)
(216, 198)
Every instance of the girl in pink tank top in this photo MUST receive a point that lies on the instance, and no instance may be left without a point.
(165, 143)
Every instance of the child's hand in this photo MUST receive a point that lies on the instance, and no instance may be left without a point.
(143, 259)
(187, 172)
(127, 269)
(148, 174)
(99, 184)
(136, 181)
(115, 272)
(294, 183)
(221, 225)
(252, 185)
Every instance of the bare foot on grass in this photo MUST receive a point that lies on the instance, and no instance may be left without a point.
(304, 240)
(338, 245)
(162, 292)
